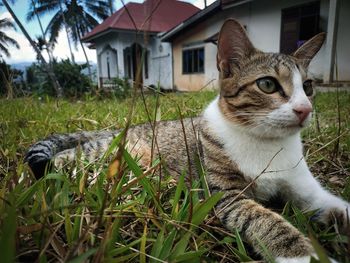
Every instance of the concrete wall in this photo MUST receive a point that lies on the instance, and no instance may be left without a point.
(343, 42)
(262, 20)
(196, 81)
(159, 64)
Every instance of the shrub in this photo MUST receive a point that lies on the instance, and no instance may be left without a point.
(11, 80)
(115, 88)
(70, 77)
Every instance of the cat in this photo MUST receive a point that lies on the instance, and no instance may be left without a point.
(248, 139)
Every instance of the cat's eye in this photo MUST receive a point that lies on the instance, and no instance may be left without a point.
(308, 89)
(268, 85)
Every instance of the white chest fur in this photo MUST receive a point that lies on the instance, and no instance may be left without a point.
(280, 158)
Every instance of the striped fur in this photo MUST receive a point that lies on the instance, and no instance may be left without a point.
(248, 139)
(41, 153)
(58, 150)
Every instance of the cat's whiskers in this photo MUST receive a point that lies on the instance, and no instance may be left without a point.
(251, 114)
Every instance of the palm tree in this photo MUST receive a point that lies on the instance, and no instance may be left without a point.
(50, 73)
(111, 6)
(5, 40)
(41, 40)
(79, 16)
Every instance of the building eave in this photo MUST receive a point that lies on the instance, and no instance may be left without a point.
(90, 39)
(196, 18)
(200, 16)
(232, 3)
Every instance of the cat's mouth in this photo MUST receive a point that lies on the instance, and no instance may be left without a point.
(296, 125)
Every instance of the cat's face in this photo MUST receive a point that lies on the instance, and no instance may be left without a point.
(266, 94)
(270, 96)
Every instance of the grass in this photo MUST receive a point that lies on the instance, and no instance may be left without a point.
(119, 219)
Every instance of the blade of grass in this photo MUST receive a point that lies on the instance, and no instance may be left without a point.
(143, 245)
(8, 233)
(203, 209)
(319, 250)
(83, 257)
(179, 189)
(168, 244)
(157, 246)
(135, 168)
(28, 194)
(239, 242)
(192, 256)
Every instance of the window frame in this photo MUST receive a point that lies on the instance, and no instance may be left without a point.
(194, 62)
(300, 13)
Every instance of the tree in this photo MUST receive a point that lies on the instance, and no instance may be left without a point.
(111, 6)
(42, 45)
(7, 77)
(41, 40)
(79, 16)
(48, 70)
(5, 40)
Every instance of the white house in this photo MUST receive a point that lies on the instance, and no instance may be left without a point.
(272, 26)
(130, 38)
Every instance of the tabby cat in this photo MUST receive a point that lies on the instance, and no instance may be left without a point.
(248, 139)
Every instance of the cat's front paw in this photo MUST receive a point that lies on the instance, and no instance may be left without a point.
(339, 215)
(305, 259)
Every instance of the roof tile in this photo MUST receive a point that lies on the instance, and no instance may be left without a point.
(151, 15)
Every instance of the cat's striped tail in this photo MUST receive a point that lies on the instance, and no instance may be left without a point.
(40, 154)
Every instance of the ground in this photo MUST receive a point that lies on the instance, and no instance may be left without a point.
(119, 219)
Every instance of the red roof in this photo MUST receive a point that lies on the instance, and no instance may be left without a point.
(151, 15)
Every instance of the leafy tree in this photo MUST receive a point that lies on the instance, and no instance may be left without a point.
(79, 16)
(41, 40)
(71, 78)
(5, 40)
(48, 70)
(9, 79)
(111, 6)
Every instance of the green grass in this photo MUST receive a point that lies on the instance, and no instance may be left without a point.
(60, 218)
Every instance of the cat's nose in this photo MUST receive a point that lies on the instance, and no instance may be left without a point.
(302, 112)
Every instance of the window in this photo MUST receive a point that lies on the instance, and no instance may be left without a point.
(146, 63)
(108, 68)
(127, 63)
(299, 24)
(193, 61)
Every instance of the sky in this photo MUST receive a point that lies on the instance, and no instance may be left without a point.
(61, 51)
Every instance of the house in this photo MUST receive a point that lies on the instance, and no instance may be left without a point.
(272, 26)
(130, 37)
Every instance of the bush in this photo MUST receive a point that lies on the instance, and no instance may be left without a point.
(115, 88)
(70, 76)
(11, 80)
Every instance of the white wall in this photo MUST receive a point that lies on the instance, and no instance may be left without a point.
(159, 64)
(111, 55)
(343, 42)
(262, 19)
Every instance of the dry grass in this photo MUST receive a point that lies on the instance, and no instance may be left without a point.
(60, 218)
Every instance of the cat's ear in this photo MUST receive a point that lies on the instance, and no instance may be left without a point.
(309, 49)
(233, 46)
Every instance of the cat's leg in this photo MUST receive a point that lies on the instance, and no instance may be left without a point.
(308, 193)
(258, 225)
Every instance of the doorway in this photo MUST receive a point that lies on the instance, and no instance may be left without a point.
(298, 24)
(132, 63)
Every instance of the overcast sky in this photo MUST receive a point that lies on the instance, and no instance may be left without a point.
(26, 52)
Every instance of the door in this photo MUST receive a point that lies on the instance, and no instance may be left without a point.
(298, 24)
